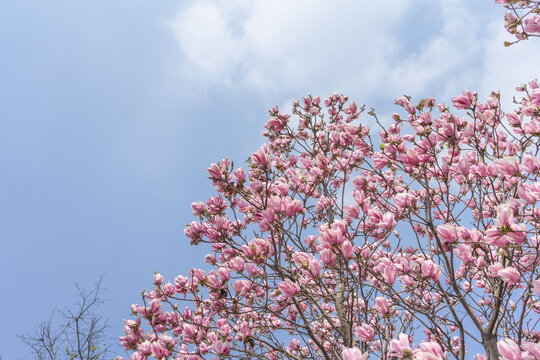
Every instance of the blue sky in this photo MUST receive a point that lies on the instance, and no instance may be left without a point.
(110, 113)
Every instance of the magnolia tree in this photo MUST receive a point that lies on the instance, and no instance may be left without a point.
(419, 240)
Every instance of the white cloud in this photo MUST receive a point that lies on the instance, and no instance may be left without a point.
(207, 42)
(364, 49)
(291, 45)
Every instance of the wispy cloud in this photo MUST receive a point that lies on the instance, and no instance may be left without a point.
(287, 45)
(367, 50)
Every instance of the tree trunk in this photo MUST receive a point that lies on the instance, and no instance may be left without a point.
(490, 344)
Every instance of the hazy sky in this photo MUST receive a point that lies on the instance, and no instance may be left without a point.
(111, 111)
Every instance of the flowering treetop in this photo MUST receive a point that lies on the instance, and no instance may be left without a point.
(419, 240)
(304, 267)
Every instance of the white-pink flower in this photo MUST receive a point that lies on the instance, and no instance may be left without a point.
(389, 274)
(464, 101)
(509, 350)
(381, 305)
(289, 288)
(221, 348)
(505, 216)
(508, 166)
(347, 249)
(431, 270)
(509, 275)
(353, 354)
(532, 24)
(447, 232)
(429, 351)
(365, 332)
(532, 350)
(400, 347)
(536, 286)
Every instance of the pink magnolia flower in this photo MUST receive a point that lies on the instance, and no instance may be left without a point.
(193, 230)
(389, 274)
(510, 22)
(532, 127)
(347, 249)
(293, 345)
(145, 348)
(181, 284)
(508, 165)
(155, 306)
(353, 354)
(197, 208)
(306, 262)
(189, 331)
(275, 124)
(509, 275)
(448, 233)
(532, 350)
(237, 264)
(221, 348)
(379, 161)
(352, 211)
(530, 163)
(214, 171)
(255, 249)
(464, 167)
(400, 347)
(532, 24)
(328, 258)
(259, 158)
(289, 288)
(388, 221)
(535, 97)
(505, 216)
(292, 207)
(431, 270)
(403, 101)
(506, 231)
(494, 269)
(464, 101)
(314, 268)
(429, 351)
(494, 237)
(536, 286)
(402, 200)
(159, 351)
(381, 305)
(239, 175)
(158, 279)
(365, 332)
(409, 158)
(465, 253)
(332, 236)
(509, 350)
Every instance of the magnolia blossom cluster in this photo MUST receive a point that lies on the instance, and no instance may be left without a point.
(418, 240)
(522, 19)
